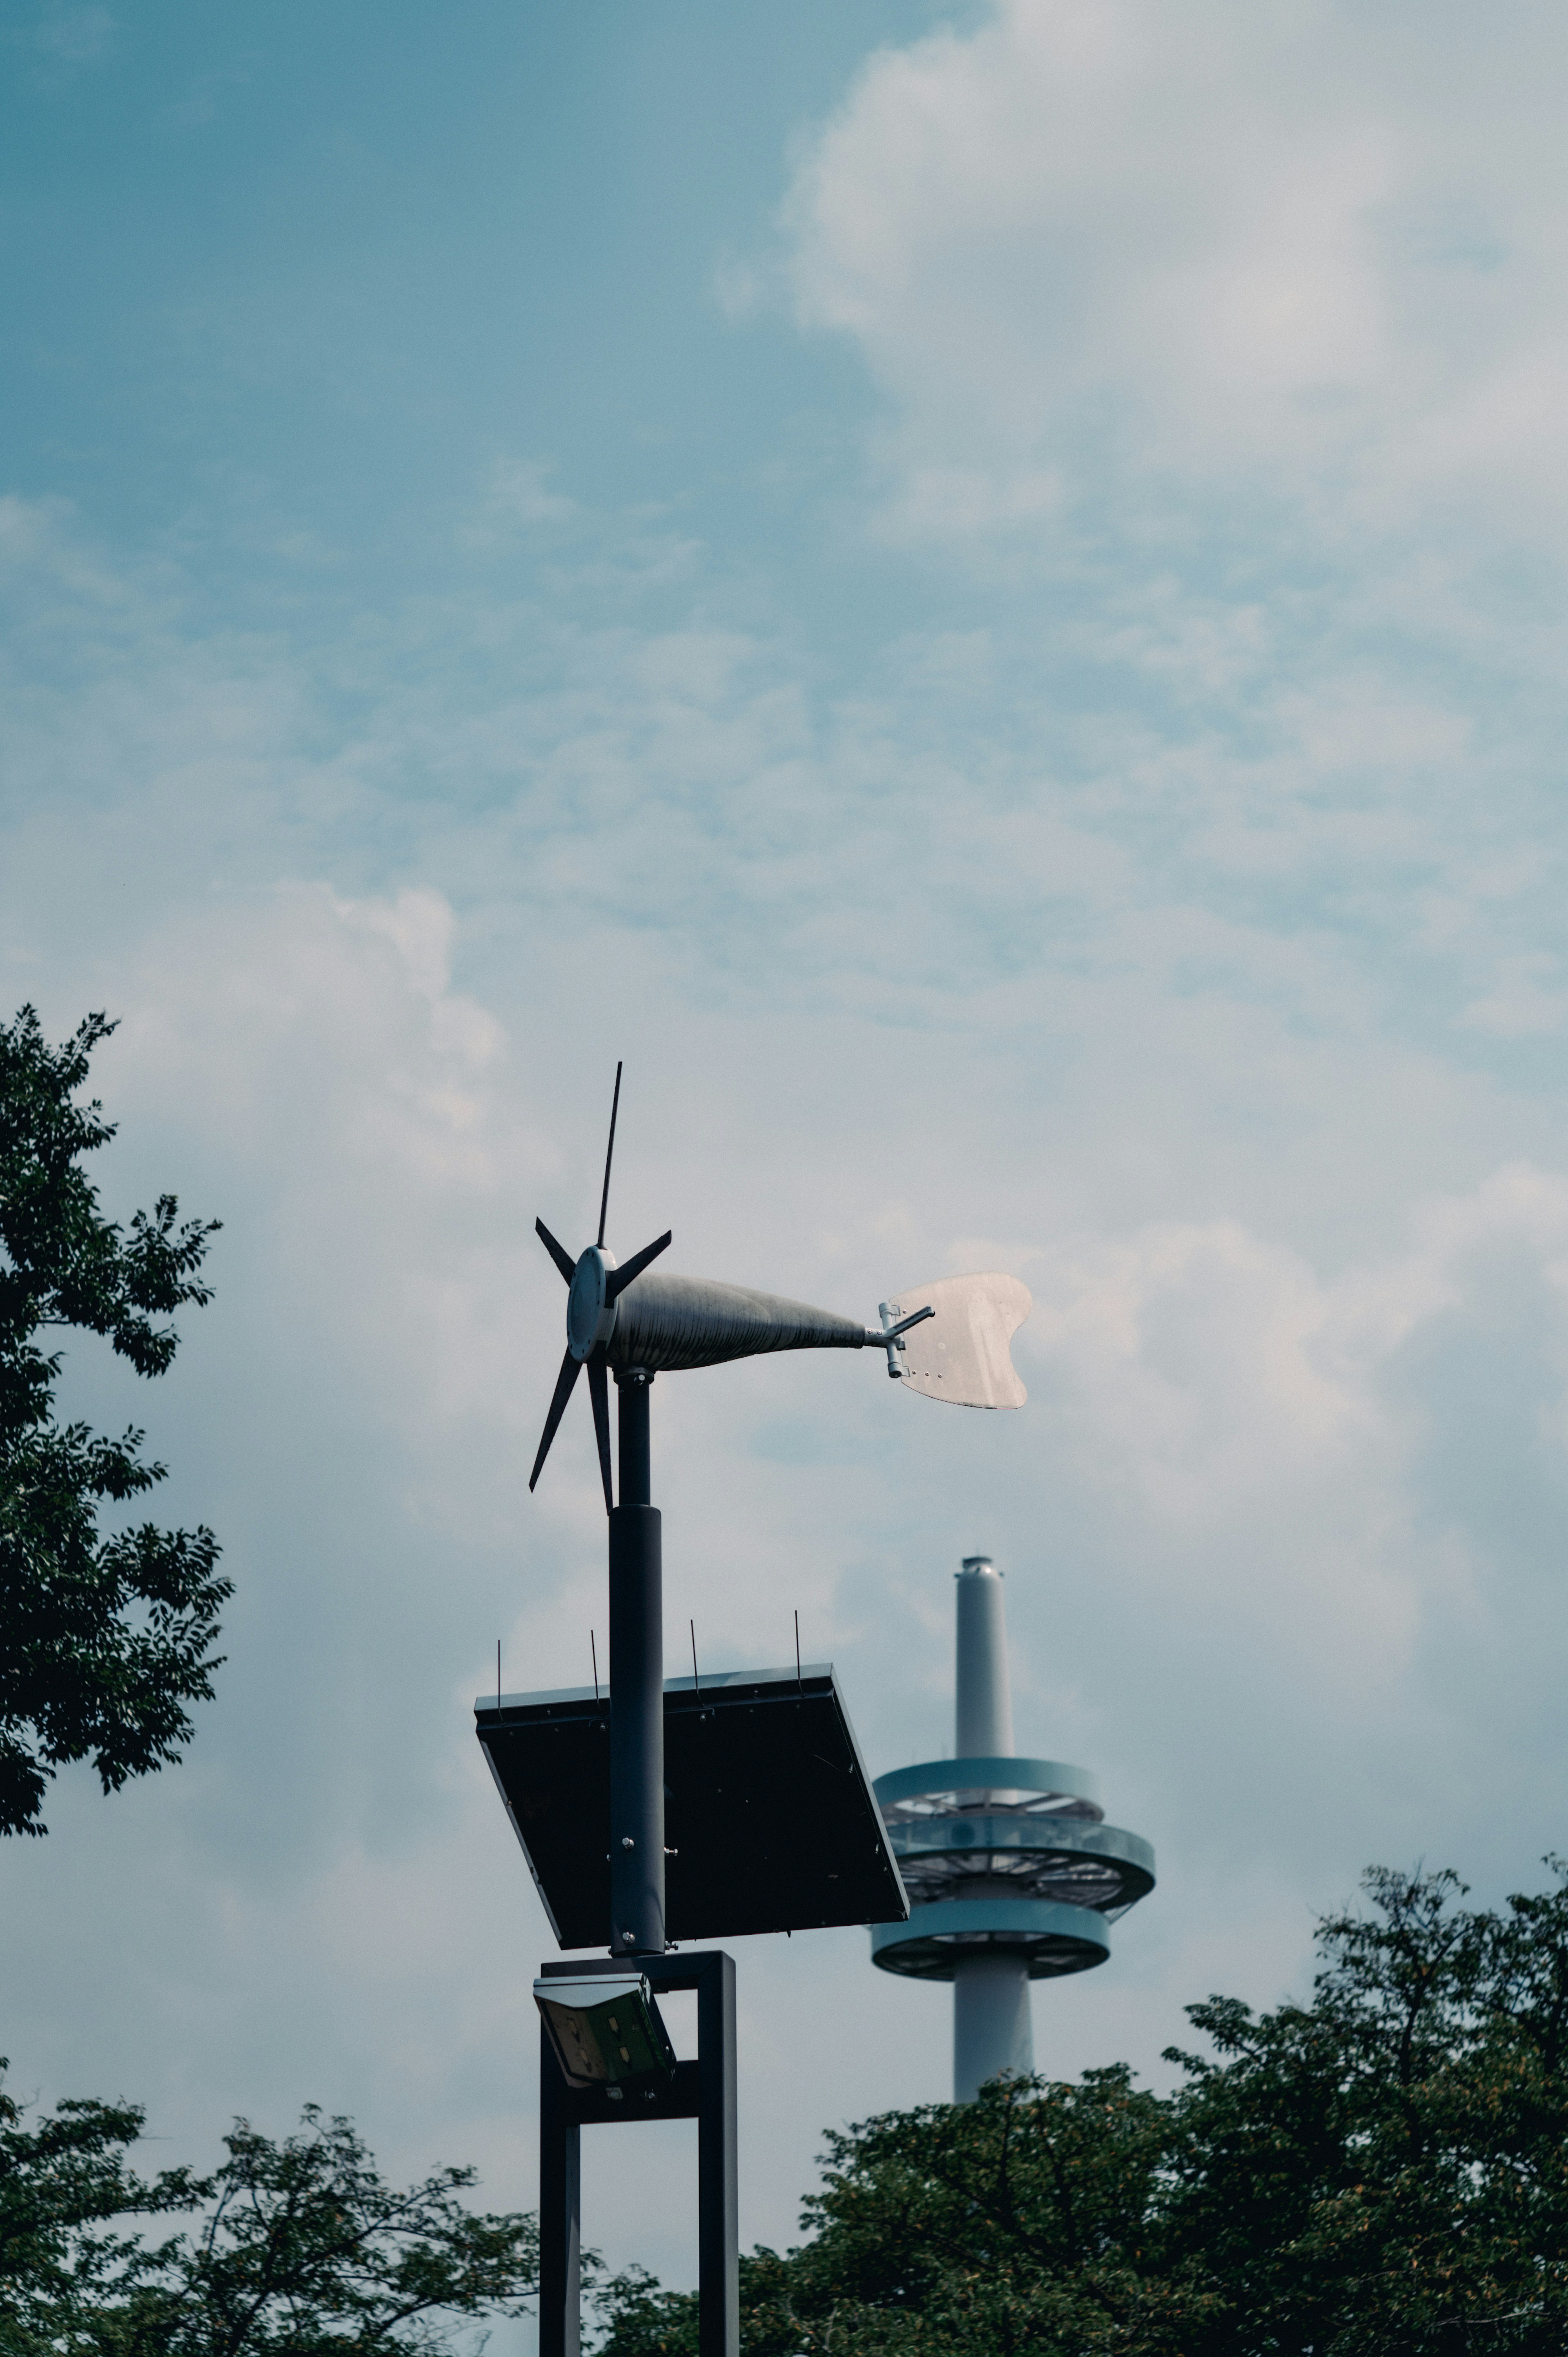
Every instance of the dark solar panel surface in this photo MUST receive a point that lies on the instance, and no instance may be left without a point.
(767, 1803)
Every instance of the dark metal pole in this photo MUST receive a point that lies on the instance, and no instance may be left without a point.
(560, 2210)
(718, 2200)
(636, 1690)
(634, 1384)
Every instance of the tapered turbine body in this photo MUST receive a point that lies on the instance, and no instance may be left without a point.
(1013, 1872)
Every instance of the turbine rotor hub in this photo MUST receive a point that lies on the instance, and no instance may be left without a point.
(590, 1313)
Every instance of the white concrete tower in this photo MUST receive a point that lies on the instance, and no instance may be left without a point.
(991, 2030)
(1012, 1872)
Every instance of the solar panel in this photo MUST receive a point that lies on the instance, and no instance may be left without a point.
(767, 1807)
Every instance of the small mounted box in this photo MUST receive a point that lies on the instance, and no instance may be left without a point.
(606, 2032)
(768, 1812)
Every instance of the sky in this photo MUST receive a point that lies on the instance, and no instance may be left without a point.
(980, 596)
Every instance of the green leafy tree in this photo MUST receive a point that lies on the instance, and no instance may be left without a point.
(62, 2180)
(1022, 2221)
(107, 1636)
(1382, 2172)
(297, 2249)
(1386, 2169)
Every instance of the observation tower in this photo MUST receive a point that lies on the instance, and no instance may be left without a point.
(1012, 1874)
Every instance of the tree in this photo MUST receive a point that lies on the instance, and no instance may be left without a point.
(60, 2181)
(299, 2248)
(1384, 2170)
(107, 1636)
(1019, 2223)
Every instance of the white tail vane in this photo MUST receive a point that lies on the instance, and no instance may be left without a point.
(962, 1353)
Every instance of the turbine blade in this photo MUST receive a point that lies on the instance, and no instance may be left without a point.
(609, 1157)
(557, 1252)
(571, 1369)
(618, 1279)
(599, 1393)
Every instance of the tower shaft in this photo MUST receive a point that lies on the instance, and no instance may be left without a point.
(993, 2030)
(983, 1723)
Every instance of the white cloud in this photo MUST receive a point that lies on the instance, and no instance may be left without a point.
(518, 497)
(1261, 1417)
(70, 37)
(1521, 1003)
(320, 1035)
(1305, 249)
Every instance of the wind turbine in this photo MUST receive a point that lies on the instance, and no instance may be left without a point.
(674, 1322)
(948, 1341)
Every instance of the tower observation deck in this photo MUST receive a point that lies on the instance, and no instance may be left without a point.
(1012, 1873)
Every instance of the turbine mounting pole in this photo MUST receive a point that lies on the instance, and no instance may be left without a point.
(637, 1688)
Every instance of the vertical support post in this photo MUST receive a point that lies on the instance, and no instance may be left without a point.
(559, 2211)
(636, 1690)
(718, 2200)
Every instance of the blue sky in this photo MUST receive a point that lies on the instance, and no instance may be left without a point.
(980, 596)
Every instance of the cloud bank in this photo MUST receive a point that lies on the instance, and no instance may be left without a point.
(1306, 255)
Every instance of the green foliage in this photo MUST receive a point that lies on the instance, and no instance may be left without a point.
(1017, 2222)
(108, 1637)
(299, 2247)
(1384, 2170)
(60, 2182)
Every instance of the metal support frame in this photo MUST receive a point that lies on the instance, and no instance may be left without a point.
(704, 2090)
